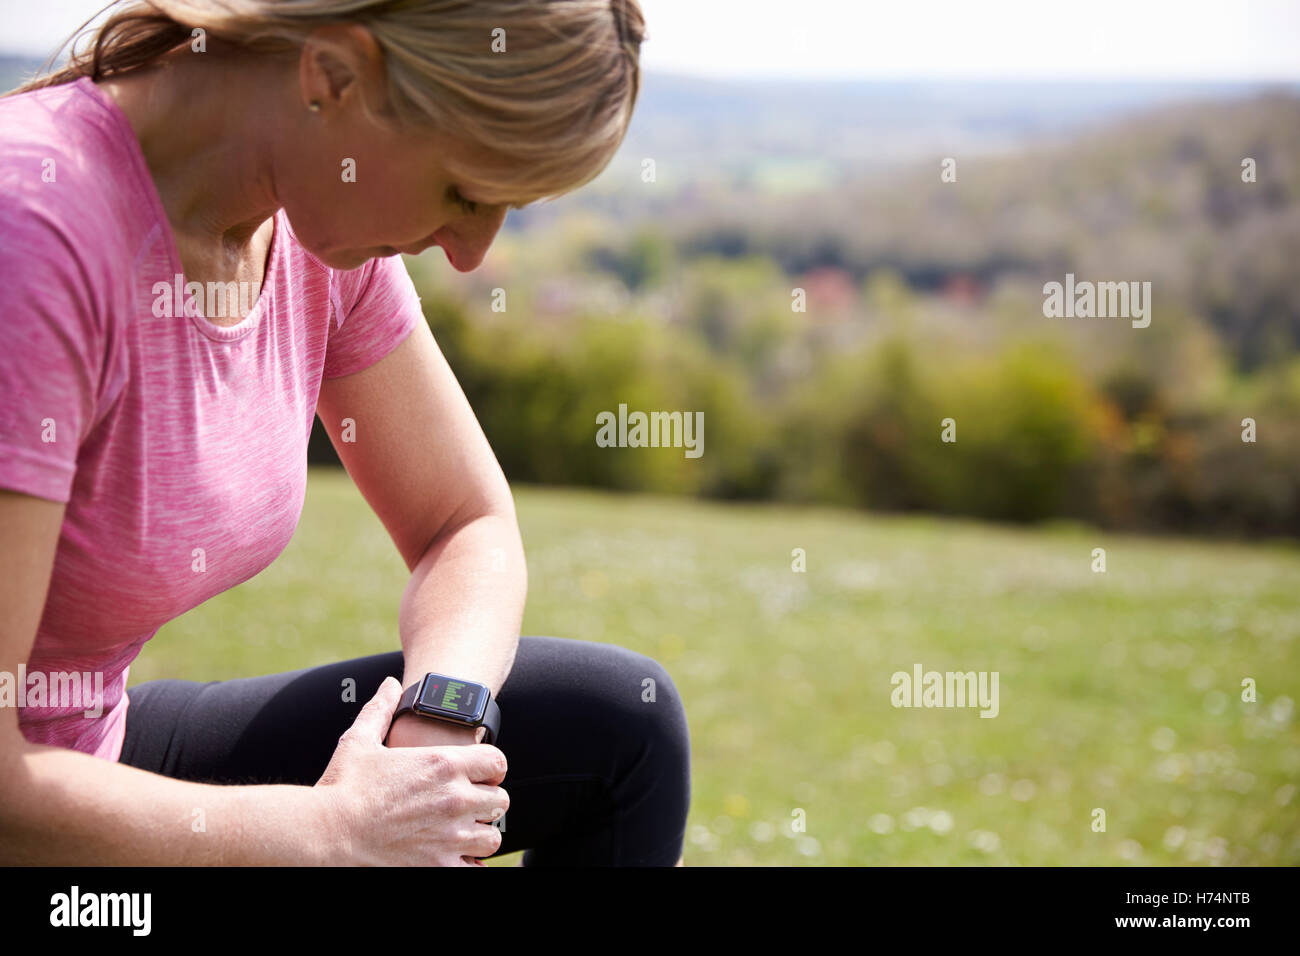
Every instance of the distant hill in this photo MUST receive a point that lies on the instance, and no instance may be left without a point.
(1155, 195)
(713, 123)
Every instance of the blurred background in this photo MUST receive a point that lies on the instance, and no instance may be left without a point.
(805, 152)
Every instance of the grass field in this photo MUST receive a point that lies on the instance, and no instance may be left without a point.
(1118, 690)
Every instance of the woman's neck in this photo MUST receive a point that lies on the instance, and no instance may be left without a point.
(206, 125)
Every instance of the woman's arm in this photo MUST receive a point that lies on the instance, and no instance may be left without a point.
(61, 807)
(421, 460)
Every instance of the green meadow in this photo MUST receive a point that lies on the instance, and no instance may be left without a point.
(1119, 692)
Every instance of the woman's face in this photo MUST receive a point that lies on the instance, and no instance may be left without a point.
(355, 189)
(363, 192)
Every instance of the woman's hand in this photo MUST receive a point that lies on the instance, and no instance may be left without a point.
(404, 806)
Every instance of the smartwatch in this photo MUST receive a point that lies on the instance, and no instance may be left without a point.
(462, 702)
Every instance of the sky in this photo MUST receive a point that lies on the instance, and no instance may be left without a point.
(1255, 40)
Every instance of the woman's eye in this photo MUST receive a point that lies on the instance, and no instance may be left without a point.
(469, 207)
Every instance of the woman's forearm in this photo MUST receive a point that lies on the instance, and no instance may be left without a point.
(463, 607)
(61, 807)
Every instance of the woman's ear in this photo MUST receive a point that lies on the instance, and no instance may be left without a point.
(341, 62)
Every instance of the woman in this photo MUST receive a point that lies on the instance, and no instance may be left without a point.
(153, 439)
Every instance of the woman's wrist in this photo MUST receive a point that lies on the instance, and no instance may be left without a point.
(410, 730)
(329, 840)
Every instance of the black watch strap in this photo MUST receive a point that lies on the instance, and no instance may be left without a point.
(491, 720)
(491, 713)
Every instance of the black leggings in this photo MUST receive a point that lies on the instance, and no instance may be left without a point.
(599, 774)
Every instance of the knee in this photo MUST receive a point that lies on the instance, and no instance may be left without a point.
(622, 698)
(655, 749)
(654, 708)
(654, 683)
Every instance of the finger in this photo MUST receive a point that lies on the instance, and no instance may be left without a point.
(372, 722)
(481, 763)
(482, 841)
(489, 803)
(463, 860)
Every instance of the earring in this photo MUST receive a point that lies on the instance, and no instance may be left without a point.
(314, 106)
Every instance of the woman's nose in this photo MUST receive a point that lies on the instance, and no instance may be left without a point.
(466, 243)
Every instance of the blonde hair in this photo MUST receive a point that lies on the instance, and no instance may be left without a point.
(551, 110)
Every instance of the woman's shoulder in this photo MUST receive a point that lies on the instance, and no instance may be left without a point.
(74, 213)
(68, 173)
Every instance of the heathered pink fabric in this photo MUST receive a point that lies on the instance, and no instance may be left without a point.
(170, 435)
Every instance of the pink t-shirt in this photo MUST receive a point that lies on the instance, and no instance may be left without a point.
(179, 445)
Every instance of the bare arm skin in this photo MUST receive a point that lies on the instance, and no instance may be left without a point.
(422, 461)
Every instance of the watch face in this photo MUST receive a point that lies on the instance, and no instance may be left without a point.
(456, 699)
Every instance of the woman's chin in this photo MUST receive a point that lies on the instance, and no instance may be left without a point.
(345, 260)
